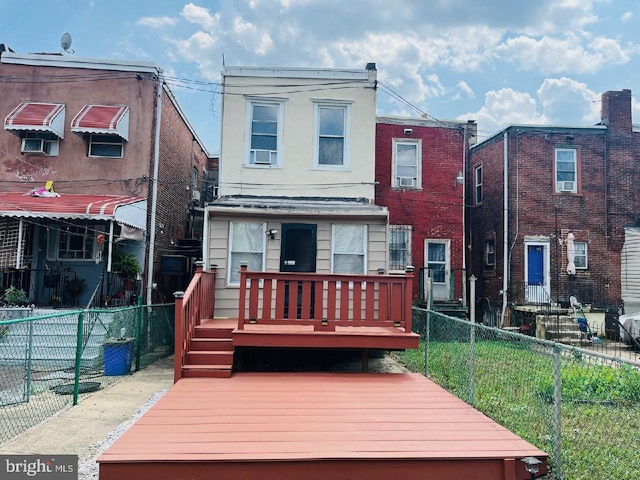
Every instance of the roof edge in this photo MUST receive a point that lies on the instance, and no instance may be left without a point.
(51, 60)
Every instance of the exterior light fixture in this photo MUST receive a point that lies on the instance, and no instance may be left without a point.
(459, 179)
(531, 465)
(272, 233)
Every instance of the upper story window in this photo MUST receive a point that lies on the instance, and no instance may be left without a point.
(349, 249)
(566, 168)
(247, 246)
(477, 182)
(105, 126)
(111, 146)
(331, 141)
(40, 127)
(265, 141)
(406, 164)
(399, 247)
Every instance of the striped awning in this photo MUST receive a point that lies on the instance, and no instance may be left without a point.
(37, 116)
(102, 119)
(127, 210)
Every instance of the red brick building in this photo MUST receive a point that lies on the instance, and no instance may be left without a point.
(101, 132)
(549, 207)
(419, 178)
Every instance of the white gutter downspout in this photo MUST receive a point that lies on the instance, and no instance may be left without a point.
(464, 212)
(154, 194)
(505, 230)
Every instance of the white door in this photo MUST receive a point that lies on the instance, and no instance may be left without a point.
(437, 255)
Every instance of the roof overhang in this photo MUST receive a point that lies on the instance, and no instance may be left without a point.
(102, 119)
(297, 207)
(128, 210)
(37, 116)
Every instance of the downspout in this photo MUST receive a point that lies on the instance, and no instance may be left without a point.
(20, 240)
(505, 229)
(154, 189)
(464, 213)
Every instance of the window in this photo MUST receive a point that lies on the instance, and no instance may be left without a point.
(566, 169)
(265, 127)
(246, 244)
(110, 146)
(72, 242)
(406, 164)
(40, 143)
(437, 261)
(490, 253)
(478, 184)
(580, 260)
(399, 246)
(331, 141)
(349, 249)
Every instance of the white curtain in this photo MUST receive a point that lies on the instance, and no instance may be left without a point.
(348, 249)
(247, 246)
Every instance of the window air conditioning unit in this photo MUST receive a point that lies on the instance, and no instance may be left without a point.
(195, 195)
(34, 146)
(262, 157)
(406, 181)
(567, 186)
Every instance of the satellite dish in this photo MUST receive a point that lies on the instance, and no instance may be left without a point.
(65, 43)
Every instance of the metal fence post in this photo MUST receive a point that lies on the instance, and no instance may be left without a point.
(557, 417)
(472, 365)
(426, 344)
(76, 383)
(138, 332)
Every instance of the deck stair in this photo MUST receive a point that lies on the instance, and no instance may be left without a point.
(560, 327)
(211, 350)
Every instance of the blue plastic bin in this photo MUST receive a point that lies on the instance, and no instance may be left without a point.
(118, 355)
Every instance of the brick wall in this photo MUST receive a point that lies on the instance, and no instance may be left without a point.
(436, 210)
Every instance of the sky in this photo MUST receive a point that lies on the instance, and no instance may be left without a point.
(498, 62)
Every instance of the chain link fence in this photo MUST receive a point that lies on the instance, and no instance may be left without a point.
(580, 407)
(48, 362)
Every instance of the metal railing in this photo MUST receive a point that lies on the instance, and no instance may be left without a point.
(579, 406)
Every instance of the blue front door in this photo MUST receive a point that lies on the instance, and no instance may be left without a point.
(535, 263)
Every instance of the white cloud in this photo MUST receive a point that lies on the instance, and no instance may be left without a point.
(568, 54)
(251, 37)
(626, 16)
(466, 89)
(157, 22)
(200, 16)
(566, 101)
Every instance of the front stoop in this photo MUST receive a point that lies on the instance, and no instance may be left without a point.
(210, 352)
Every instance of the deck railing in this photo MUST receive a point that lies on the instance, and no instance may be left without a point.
(196, 303)
(325, 301)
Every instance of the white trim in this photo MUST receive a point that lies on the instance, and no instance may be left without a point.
(561, 186)
(445, 290)
(230, 244)
(346, 108)
(271, 72)
(78, 62)
(395, 179)
(546, 266)
(257, 101)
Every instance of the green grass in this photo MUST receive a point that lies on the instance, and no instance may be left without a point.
(600, 408)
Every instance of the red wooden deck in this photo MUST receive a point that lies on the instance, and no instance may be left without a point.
(315, 426)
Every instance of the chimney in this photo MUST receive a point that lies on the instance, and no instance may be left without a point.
(616, 111)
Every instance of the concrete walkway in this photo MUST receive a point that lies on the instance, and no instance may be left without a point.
(79, 429)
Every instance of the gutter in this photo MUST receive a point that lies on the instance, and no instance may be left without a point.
(505, 230)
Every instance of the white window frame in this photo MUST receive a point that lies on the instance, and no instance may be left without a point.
(249, 158)
(490, 252)
(51, 141)
(362, 253)
(117, 140)
(477, 185)
(584, 255)
(408, 231)
(561, 186)
(417, 180)
(346, 134)
(90, 246)
(230, 273)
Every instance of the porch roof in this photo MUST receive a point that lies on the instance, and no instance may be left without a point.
(129, 210)
(298, 207)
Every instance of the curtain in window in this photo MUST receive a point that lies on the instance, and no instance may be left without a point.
(406, 158)
(331, 136)
(247, 247)
(348, 249)
(436, 261)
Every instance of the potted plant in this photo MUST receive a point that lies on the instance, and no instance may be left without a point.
(15, 297)
(51, 275)
(126, 264)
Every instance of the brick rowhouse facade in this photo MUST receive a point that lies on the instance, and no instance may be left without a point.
(604, 201)
(434, 208)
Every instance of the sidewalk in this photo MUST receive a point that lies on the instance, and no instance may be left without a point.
(80, 429)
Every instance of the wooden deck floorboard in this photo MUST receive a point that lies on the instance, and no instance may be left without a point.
(279, 418)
